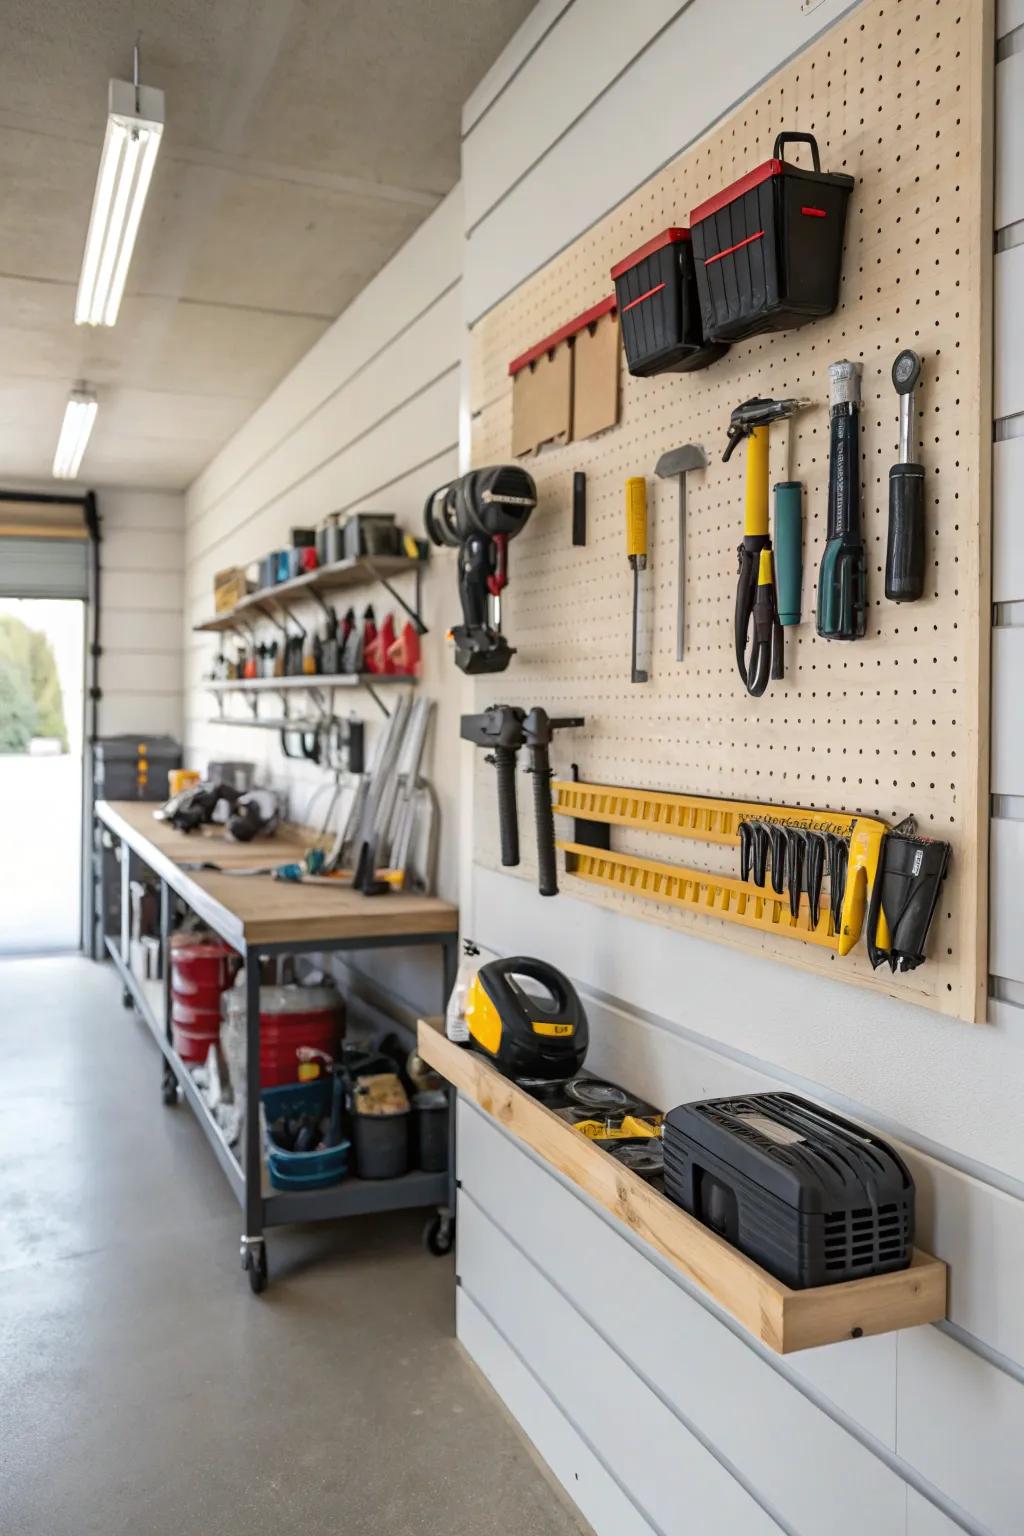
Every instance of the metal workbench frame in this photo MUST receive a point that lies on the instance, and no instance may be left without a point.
(352, 1196)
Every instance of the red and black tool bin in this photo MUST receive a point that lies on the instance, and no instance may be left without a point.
(656, 292)
(768, 248)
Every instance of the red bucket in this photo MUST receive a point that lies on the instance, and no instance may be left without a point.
(194, 1030)
(201, 969)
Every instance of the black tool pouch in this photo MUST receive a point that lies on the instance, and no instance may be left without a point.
(906, 891)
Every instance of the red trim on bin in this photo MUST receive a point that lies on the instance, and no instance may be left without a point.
(735, 189)
(571, 328)
(814, 213)
(648, 295)
(667, 237)
(737, 247)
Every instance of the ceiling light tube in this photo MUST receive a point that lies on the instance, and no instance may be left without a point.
(135, 123)
(79, 416)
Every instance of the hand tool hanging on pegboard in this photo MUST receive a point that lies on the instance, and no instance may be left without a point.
(679, 462)
(842, 579)
(904, 554)
(904, 897)
(504, 728)
(636, 550)
(756, 597)
(477, 515)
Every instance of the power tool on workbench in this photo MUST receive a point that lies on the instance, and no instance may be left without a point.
(477, 515)
(756, 598)
(504, 728)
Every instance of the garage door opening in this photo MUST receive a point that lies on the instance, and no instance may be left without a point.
(42, 686)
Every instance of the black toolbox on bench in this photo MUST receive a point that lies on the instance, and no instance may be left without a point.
(768, 249)
(659, 310)
(809, 1196)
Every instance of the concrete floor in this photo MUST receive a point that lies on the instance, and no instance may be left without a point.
(144, 1391)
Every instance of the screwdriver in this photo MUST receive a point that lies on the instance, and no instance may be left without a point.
(904, 554)
(636, 549)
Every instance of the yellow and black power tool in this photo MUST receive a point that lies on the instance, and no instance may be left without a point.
(529, 1031)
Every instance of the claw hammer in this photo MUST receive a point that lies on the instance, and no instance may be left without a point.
(679, 461)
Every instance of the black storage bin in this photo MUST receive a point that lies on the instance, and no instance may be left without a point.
(381, 1145)
(768, 249)
(659, 310)
(810, 1197)
(134, 767)
(430, 1112)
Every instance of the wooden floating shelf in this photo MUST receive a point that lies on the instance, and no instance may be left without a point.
(783, 1319)
(326, 578)
(306, 681)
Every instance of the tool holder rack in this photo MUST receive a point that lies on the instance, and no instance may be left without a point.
(699, 891)
(891, 725)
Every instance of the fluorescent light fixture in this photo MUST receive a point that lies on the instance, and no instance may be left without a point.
(135, 123)
(79, 415)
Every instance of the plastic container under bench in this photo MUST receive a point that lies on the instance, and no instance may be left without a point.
(302, 1170)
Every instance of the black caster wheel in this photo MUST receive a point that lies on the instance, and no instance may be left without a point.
(127, 1001)
(439, 1234)
(168, 1086)
(255, 1264)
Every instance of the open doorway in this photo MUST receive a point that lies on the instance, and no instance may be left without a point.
(42, 681)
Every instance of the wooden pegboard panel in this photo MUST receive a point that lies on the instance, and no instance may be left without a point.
(889, 725)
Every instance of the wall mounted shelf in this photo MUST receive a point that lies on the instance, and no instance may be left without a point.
(327, 578)
(783, 1319)
(311, 683)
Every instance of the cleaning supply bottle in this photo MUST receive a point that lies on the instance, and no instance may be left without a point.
(455, 1026)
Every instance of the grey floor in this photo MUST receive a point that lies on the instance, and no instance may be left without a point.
(143, 1390)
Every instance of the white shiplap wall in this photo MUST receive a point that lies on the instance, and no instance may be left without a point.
(654, 1411)
(368, 420)
(142, 559)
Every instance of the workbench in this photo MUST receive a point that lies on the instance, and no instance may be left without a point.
(261, 919)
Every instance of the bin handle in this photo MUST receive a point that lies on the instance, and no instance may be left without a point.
(798, 138)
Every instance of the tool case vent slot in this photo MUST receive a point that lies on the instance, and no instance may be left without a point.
(865, 1239)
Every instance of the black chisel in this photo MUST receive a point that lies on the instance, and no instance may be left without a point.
(579, 508)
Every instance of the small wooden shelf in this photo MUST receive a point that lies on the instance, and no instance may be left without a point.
(326, 578)
(783, 1319)
(308, 681)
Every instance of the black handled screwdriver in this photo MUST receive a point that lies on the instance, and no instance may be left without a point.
(904, 554)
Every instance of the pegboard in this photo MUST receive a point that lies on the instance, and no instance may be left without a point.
(892, 724)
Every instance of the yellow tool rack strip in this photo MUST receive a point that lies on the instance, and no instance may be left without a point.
(783, 1319)
(891, 724)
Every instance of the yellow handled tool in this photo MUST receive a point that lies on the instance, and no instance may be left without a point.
(636, 549)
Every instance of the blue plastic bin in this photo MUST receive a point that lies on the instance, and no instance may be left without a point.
(302, 1170)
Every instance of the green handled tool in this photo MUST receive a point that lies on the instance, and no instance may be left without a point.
(842, 580)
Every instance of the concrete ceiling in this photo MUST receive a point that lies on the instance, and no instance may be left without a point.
(305, 140)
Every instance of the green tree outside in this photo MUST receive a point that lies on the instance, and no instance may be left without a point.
(31, 700)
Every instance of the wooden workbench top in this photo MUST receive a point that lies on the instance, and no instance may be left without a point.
(255, 909)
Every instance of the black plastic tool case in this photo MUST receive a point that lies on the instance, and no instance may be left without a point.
(809, 1196)
(659, 310)
(768, 249)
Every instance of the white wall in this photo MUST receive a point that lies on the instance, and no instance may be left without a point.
(141, 560)
(367, 420)
(653, 1409)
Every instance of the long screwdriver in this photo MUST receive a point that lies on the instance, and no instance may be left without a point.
(636, 549)
(904, 553)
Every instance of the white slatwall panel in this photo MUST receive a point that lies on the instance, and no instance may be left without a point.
(1007, 766)
(1008, 371)
(1009, 202)
(579, 1470)
(961, 1423)
(1007, 518)
(675, 1481)
(788, 1450)
(589, 47)
(142, 561)
(1009, 15)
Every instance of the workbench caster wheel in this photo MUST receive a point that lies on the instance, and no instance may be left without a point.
(168, 1086)
(255, 1264)
(439, 1234)
(127, 1001)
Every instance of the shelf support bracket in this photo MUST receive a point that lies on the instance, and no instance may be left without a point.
(375, 696)
(421, 628)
